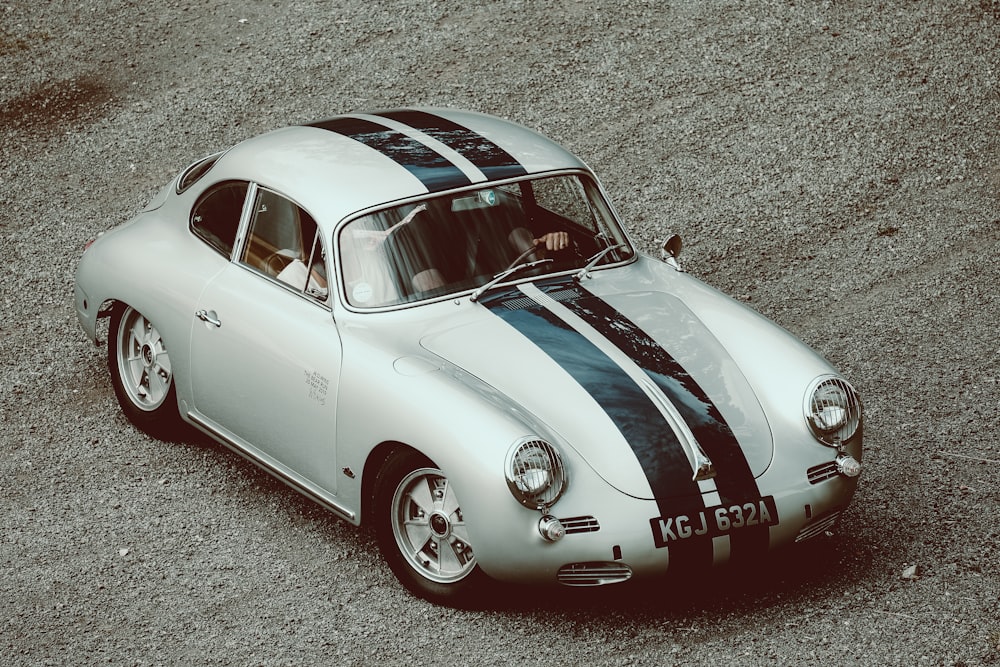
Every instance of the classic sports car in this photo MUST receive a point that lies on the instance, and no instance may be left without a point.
(433, 321)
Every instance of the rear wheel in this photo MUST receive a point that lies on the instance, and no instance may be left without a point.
(141, 373)
(421, 530)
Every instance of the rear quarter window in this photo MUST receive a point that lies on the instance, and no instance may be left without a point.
(193, 174)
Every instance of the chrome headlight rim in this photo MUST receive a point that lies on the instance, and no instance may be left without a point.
(832, 410)
(535, 472)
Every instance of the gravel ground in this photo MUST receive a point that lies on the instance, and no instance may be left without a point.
(833, 164)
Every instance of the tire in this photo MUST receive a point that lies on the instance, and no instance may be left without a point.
(141, 373)
(421, 531)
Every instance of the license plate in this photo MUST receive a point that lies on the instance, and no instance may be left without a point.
(714, 521)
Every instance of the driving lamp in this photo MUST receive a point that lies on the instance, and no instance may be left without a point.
(832, 410)
(535, 473)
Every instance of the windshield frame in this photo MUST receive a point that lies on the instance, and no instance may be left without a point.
(408, 209)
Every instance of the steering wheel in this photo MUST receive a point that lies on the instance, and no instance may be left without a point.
(574, 247)
(523, 256)
(276, 262)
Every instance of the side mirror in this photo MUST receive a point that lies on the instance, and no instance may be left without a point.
(671, 250)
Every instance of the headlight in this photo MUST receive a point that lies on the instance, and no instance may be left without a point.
(833, 410)
(535, 473)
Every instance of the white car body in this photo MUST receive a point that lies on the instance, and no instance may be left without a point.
(633, 370)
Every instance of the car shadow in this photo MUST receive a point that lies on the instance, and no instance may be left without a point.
(826, 566)
(794, 574)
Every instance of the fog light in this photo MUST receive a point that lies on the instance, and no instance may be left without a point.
(551, 529)
(848, 466)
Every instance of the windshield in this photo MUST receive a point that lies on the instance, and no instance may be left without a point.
(458, 242)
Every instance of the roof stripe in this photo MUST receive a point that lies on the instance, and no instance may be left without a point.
(471, 171)
(491, 159)
(432, 169)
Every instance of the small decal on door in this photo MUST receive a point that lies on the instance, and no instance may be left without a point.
(317, 385)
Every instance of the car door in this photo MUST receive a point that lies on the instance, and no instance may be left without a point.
(265, 351)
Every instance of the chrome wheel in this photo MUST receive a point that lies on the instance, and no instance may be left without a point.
(429, 529)
(143, 363)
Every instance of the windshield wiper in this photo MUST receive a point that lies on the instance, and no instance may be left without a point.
(504, 274)
(585, 271)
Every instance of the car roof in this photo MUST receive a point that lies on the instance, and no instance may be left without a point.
(353, 162)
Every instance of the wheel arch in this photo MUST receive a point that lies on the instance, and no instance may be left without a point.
(104, 312)
(469, 442)
(155, 413)
(175, 332)
(369, 477)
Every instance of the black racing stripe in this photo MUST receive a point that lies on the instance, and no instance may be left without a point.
(734, 478)
(655, 445)
(433, 170)
(493, 161)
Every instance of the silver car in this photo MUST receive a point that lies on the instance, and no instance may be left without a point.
(432, 321)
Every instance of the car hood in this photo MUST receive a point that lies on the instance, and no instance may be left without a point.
(624, 379)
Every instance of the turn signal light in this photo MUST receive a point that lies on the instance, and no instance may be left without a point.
(551, 529)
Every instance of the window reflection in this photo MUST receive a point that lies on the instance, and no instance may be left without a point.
(457, 242)
(284, 243)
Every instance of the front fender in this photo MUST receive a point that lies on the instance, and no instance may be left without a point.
(386, 399)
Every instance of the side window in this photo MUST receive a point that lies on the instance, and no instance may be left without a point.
(216, 215)
(284, 243)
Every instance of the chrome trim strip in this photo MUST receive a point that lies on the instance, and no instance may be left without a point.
(703, 467)
(307, 489)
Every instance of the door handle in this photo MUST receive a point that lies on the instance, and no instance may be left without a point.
(209, 316)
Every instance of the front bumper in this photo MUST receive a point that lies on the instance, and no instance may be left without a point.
(615, 539)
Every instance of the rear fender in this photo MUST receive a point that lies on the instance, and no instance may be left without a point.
(155, 267)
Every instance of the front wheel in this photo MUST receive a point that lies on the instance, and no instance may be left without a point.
(141, 373)
(421, 530)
